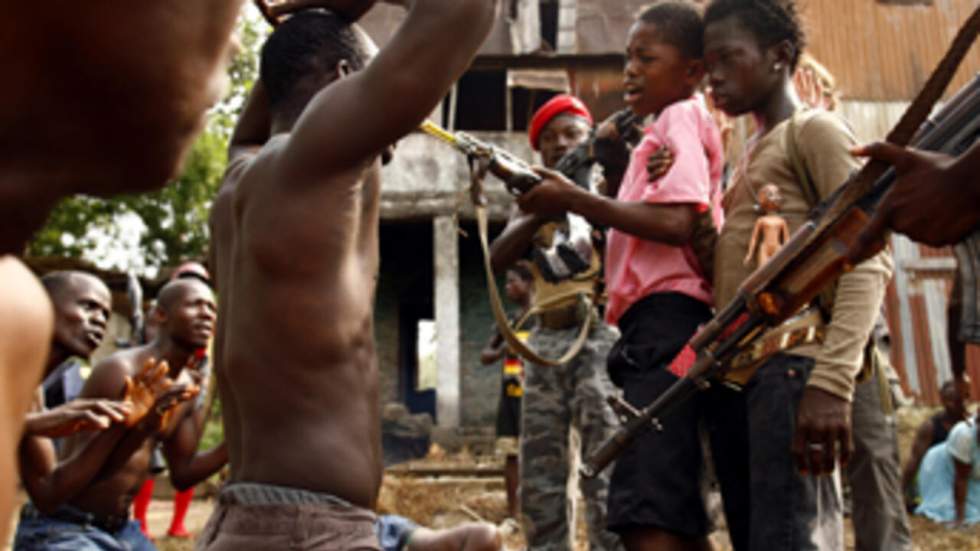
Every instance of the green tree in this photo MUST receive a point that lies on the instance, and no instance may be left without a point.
(174, 219)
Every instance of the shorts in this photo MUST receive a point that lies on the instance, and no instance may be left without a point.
(263, 516)
(656, 482)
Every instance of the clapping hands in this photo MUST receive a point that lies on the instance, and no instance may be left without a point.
(152, 395)
(83, 414)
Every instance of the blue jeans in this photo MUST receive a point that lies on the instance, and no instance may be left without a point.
(789, 511)
(36, 531)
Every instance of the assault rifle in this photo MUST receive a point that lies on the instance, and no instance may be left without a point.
(570, 253)
(814, 256)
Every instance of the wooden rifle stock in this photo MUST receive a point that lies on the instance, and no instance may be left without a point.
(815, 255)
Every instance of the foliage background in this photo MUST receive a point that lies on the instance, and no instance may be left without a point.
(142, 233)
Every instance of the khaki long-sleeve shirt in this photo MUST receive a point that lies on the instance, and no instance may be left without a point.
(823, 143)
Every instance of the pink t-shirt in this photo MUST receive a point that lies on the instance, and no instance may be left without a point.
(636, 267)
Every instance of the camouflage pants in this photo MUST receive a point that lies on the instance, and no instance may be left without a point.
(556, 399)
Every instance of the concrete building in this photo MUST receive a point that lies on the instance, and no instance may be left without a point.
(431, 281)
(433, 315)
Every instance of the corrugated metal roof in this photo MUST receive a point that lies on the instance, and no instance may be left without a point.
(885, 52)
(877, 51)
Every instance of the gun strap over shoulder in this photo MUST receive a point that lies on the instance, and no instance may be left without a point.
(825, 300)
(500, 316)
(496, 304)
(807, 185)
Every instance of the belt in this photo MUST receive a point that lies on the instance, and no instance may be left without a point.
(67, 513)
(251, 493)
(805, 328)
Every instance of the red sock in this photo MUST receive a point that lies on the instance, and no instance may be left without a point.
(141, 503)
(182, 502)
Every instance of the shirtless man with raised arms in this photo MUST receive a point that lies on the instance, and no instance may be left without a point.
(296, 245)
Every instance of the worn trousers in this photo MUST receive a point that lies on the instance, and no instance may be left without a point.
(789, 511)
(555, 400)
(877, 504)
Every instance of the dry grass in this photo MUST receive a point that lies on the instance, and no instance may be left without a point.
(446, 501)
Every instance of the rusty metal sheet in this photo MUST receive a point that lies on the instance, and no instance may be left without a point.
(508, 36)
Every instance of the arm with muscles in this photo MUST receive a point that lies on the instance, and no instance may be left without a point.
(253, 127)
(188, 467)
(152, 396)
(79, 415)
(672, 224)
(665, 210)
(514, 242)
(49, 482)
(930, 187)
(429, 52)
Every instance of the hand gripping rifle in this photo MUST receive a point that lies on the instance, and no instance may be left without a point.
(814, 256)
(571, 251)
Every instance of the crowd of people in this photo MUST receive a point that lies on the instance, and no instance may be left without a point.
(675, 229)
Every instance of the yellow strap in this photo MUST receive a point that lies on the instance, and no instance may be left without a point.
(496, 305)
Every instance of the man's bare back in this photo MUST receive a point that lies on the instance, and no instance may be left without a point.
(295, 237)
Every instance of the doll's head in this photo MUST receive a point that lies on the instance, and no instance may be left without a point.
(770, 199)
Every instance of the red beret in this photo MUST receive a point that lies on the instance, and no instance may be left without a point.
(559, 105)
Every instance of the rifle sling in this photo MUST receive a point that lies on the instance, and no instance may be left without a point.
(496, 304)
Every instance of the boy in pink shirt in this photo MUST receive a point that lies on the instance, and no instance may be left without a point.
(658, 295)
(636, 267)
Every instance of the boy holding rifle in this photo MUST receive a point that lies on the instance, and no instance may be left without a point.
(658, 294)
(798, 402)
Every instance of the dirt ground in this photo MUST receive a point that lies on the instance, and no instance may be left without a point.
(474, 494)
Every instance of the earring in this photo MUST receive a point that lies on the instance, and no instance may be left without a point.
(776, 67)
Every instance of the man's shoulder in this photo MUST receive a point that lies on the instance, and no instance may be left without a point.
(120, 363)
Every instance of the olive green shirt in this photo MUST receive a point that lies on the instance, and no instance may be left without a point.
(823, 143)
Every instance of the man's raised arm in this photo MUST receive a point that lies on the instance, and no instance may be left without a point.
(188, 467)
(357, 116)
(252, 129)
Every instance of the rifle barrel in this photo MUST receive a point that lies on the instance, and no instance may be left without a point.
(437, 131)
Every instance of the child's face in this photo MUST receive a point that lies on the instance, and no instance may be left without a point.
(742, 75)
(656, 73)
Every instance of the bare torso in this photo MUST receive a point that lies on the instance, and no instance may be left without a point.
(297, 330)
(113, 493)
(774, 233)
(113, 489)
(222, 244)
